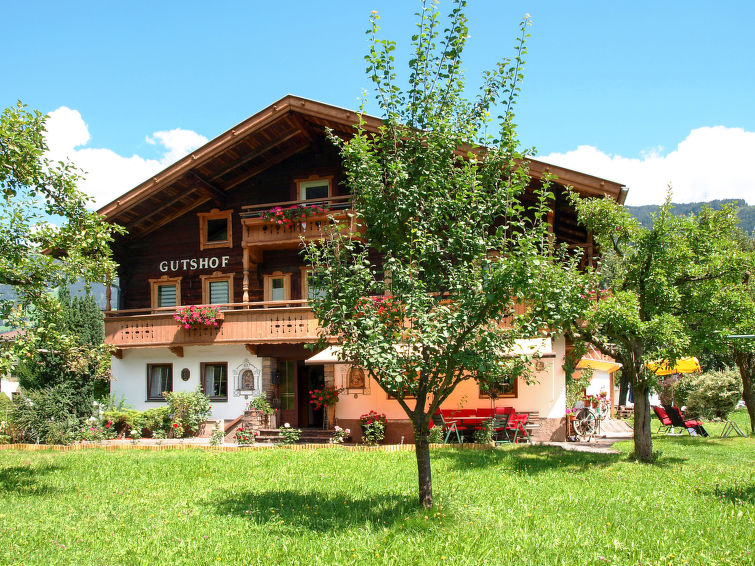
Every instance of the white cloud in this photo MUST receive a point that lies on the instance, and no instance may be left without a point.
(711, 163)
(108, 174)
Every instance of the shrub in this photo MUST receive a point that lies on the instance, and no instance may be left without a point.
(6, 419)
(373, 427)
(218, 434)
(714, 394)
(435, 436)
(339, 435)
(47, 415)
(289, 434)
(245, 435)
(484, 435)
(188, 411)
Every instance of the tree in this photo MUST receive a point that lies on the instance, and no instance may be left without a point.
(449, 249)
(644, 310)
(723, 316)
(74, 357)
(48, 237)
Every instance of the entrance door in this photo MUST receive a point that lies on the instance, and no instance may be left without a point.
(289, 410)
(310, 378)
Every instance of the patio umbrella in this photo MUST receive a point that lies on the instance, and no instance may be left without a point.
(682, 365)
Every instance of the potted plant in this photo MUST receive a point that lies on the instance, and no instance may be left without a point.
(373, 427)
(326, 397)
(194, 316)
(262, 410)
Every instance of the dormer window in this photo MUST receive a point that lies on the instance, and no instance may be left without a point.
(314, 188)
(215, 229)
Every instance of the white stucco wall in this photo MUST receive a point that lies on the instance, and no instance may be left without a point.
(130, 375)
(547, 395)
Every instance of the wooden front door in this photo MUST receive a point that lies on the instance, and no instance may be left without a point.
(289, 397)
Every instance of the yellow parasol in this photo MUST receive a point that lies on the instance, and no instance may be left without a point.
(683, 365)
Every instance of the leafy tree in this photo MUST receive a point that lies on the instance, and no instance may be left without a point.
(47, 234)
(450, 252)
(723, 317)
(646, 311)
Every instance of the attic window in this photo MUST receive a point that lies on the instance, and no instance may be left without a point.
(215, 229)
(314, 188)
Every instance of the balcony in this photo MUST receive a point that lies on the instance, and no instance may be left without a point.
(259, 232)
(242, 323)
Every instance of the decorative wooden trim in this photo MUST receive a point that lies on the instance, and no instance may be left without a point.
(177, 350)
(216, 276)
(164, 280)
(251, 348)
(202, 367)
(311, 180)
(149, 379)
(214, 214)
(304, 272)
(268, 284)
(118, 353)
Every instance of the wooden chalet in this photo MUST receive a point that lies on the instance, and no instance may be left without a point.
(197, 236)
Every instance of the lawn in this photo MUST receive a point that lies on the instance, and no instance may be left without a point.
(515, 505)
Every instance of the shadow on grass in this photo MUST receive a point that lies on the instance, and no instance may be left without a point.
(738, 494)
(535, 459)
(315, 510)
(24, 480)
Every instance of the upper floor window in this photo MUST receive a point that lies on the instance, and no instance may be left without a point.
(314, 188)
(277, 286)
(215, 229)
(165, 292)
(310, 287)
(217, 289)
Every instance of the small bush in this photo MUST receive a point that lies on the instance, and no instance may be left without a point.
(714, 394)
(289, 434)
(47, 415)
(435, 436)
(484, 435)
(188, 410)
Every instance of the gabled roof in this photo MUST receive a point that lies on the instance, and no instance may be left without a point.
(272, 135)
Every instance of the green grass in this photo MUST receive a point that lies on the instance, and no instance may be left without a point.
(516, 505)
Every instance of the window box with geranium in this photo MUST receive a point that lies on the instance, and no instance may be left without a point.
(373, 427)
(291, 215)
(198, 317)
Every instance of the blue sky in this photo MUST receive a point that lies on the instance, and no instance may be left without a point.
(644, 93)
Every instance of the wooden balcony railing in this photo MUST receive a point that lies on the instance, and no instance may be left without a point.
(250, 323)
(259, 232)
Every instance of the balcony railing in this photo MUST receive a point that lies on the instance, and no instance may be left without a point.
(249, 323)
(258, 231)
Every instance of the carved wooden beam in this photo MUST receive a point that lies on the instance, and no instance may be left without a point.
(118, 353)
(217, 194)
(177, 350)
(251, 348)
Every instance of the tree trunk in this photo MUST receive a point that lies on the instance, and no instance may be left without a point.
(623, 389)
(422, 449)
(643, 442)
(746, 363)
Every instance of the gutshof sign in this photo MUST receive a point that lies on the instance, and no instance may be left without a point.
(192, 263)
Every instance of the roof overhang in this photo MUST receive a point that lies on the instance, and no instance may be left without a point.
(268, 137)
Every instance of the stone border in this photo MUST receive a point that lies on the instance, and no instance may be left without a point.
(295, 447)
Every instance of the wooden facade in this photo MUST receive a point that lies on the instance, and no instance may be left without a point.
(197, 228)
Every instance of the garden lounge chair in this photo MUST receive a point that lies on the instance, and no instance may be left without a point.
(448, 428)
(678, 420)
(517, 426)
(500, 434)
(666, 424)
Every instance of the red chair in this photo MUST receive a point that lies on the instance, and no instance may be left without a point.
(666, 424)
(677, 419)
(518, 425)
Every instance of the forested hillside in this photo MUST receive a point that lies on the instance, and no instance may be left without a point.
(746, 213)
